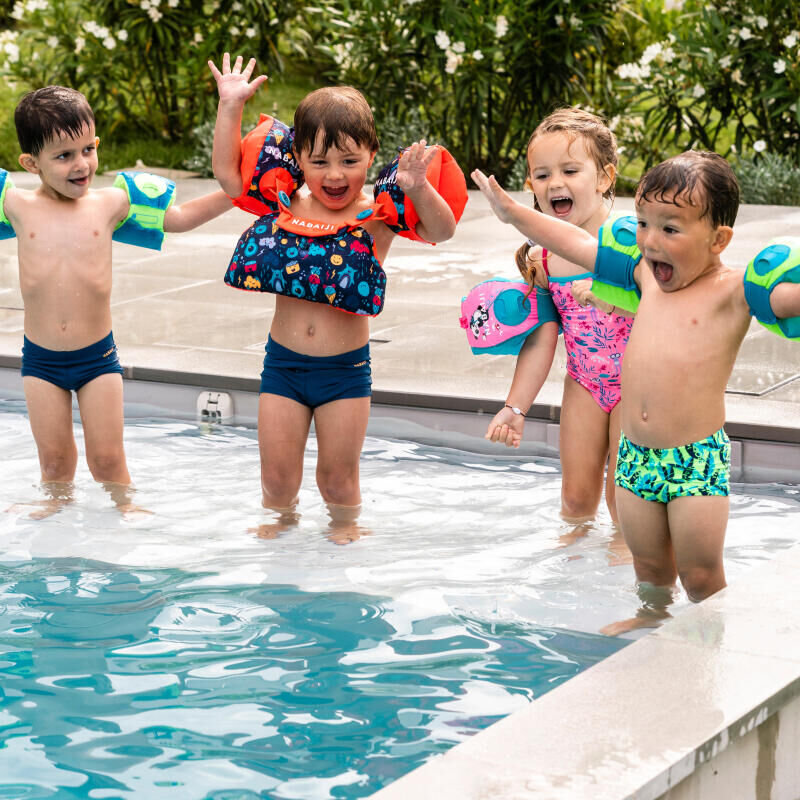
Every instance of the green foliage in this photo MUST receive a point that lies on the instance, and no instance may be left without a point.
(142, 63)
(726, 78)
(770, 179)
(479, 74)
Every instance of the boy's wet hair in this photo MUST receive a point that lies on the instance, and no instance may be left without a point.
(601, 144)
(340, 113)
(48, 113)
(699, 178)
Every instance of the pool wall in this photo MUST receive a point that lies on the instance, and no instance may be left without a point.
(707, 706)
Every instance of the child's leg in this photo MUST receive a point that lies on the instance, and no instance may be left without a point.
(614, 430)
(583, 446)
(50, 414)
(340, 427)
(697, 527)
(100, 403)
(282, 433)
(645, 525)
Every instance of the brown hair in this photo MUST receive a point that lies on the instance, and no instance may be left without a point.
(701, 179)
(601, 145)
(340, 113)
(46, 113)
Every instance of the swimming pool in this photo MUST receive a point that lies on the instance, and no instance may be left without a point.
(179, 654)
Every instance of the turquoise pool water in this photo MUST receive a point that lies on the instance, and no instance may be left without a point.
(181, 654)
(155, 683)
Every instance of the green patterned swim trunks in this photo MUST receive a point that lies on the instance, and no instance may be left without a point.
(662, 474)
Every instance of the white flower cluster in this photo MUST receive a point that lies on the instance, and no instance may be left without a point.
(99, 32)
(453, 50)
(661, 51)
(673, 5)
(151, 7)
(23, 7)
(500, 27)
(9, 47)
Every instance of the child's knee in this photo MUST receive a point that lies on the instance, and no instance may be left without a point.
(279, 487)
(700, 582)
(340, 487)
(58, 465)
(107, 465)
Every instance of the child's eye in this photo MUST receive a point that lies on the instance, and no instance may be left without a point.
(540, 176)
(642, 224)
(669, 229)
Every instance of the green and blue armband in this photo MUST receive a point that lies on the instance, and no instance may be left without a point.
(617, 257)
(6, 230)
(150, 196)
(779, 261)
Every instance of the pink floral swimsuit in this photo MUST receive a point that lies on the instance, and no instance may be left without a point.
(595, 341)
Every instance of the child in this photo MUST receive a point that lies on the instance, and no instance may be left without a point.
(572, 161)
(317, 357)
(64, 230)
(673, 462)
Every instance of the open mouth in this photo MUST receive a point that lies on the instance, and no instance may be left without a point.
(662, 271)
(335, 192)
(80, 181)
(561, 206)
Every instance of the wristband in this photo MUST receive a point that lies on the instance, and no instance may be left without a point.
(516, 410)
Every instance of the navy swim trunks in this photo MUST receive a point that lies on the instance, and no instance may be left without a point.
(70, 369)
(315, 380)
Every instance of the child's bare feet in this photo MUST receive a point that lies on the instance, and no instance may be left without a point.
(344, 527)
(282, 520)
(59, 495)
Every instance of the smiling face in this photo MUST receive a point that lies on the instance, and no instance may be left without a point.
(66, 164)
(678, 242)
(566, 179)
(335, 176)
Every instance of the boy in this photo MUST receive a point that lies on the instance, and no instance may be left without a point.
(64, 230)
(673, 463)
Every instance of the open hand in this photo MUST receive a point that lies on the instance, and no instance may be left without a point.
(499, 199)
(412, 170)
(506, 428)
(234, 85)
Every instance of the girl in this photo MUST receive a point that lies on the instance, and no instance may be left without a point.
(317, 363)
(572, 162)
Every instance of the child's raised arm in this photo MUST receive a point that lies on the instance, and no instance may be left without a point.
(235, 88)
(437, 223)
(562, 238)
(785, 300)
(195, 212)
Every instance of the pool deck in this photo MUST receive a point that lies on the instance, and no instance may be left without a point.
(175, 320)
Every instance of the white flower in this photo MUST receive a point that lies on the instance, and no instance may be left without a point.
(80, 43)
(236, 7)
(122, 35)
(500, 27)
(477, 55)
(736, 77)
(453, 60)
(442, 40)
(18, 12)
(668, 55)
(234, 30)
(575, 22)
(559, 20)
(250, 32)
(155, 3)
(673, 5)
(145, 5)
(779, 66)
(198, 37)
(634, 72)
(760, 146)
(12, 51)
(650, 52)
(109, 42)
(459, 47)
(52, 42)
(790, 40)
(745, 34)
(154, 14)
(762, 22)
(173, 3)
(698, 90)
(725, 61)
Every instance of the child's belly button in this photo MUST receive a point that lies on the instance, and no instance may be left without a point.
(310, 331)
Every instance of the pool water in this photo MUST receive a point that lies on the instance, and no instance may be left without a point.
(180, 653)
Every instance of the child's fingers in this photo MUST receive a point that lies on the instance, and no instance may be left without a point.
(237, 66)
(214, 71)
(248, 70)
(226, 63)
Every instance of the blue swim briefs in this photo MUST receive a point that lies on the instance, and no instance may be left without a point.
(661, 474)
(315, 380)
(70, 369)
